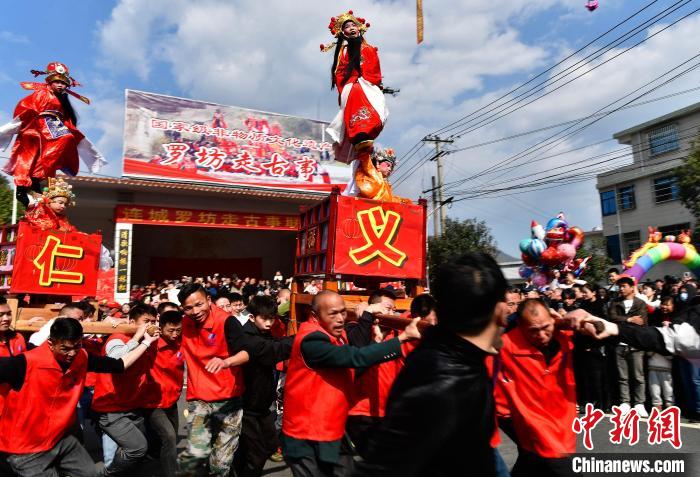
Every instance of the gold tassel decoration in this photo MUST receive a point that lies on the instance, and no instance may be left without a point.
(419, 21)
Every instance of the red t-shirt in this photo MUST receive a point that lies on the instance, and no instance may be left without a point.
(167, 374)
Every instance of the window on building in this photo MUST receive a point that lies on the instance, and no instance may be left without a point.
(612, 246)
(625, 198)
(631, 241)
(663, 139)
(666, 189)
(607, 202)
(674, 229)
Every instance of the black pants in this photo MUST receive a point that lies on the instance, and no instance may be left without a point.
(592, 383)
(312, 467)
(258, 441)
(67, 457)
(360, 429)
(164, 424)
(530, 465)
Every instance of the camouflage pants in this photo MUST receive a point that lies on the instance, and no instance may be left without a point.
(214, 429)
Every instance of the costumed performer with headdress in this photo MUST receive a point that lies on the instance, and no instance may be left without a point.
(48, 211)
(372, 176)
(47, 136)
(357, 75)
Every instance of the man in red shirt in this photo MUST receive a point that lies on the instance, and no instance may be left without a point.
(535, 383)
(46, 384)
(319, 387)
(215, 404)
(119, 399)
(372, 385)
(167, 376)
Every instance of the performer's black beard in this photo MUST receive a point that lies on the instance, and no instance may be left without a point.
(68, 111)
(354, 47)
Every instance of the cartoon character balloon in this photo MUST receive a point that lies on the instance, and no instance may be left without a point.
(551, 248)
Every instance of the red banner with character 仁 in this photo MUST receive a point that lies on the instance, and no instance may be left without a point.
(55, 262)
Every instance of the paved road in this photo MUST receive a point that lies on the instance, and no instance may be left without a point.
(690, 434)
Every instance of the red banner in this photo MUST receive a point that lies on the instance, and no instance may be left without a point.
(192, 140)
(384, 239)
(143, 214)
(55, 263)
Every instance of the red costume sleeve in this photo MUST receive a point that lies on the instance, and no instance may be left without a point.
(371, 70)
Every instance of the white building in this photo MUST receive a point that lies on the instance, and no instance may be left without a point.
(645, 193)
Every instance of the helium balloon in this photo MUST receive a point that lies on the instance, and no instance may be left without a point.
(539, 279)
(524, 271)
(567, 251)
(536, 248)
(536, 230)
(525, 245)
(557, 222)
(551, 257)
(575, 236)
(528, 260)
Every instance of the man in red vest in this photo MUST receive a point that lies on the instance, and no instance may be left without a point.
(372, 385)
(167, 376)
(319, 387)
(46, 384)
(119, 399)
(11, 342)
(215, 404)
(535, 382)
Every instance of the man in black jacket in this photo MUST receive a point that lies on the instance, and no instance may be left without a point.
(259, 437)
(627, 308)
(441, 404)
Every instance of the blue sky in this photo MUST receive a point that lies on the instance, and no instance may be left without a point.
(264, 55)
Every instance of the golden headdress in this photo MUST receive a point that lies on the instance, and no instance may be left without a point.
(336, 27)
(57, 187)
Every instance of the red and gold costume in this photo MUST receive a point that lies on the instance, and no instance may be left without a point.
(41, 215)
(47, 140)
(370, 182)
(362, 107)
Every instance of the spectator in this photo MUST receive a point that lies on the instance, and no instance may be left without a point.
(224, 302)
(630, 361)
(660, 379)
(593, 378)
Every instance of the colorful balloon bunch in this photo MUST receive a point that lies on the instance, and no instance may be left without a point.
(551, 248)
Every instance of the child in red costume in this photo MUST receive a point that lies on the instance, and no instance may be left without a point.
(358, 76)
(48, 211)
(47, 136)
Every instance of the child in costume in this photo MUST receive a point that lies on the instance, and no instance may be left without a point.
(357, 75)
(48, 211)
(47, 136)
(372, 176)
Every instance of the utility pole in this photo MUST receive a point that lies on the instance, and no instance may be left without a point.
(438, 158)
(436, 225)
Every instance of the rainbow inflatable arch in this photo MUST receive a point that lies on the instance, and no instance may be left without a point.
(654, 252)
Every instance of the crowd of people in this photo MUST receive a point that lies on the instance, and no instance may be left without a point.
(622, 374)
(335, 397)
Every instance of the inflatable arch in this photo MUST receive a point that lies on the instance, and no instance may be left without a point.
(654, 252)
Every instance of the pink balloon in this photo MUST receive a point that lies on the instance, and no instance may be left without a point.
(539, 279)
(567, 251)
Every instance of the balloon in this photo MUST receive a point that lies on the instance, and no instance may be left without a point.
(557, 222)
(524, 271)
(539, 279)
(536, 230)
(575, 236)
(551, 257)
(528, 260)
(556, 234)
(525, 245)
(536, 247)
(685, 254)
(567, 251)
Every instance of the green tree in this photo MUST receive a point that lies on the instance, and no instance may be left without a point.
(688, 175)
(459, 237)
(599, 263)
(6, 197)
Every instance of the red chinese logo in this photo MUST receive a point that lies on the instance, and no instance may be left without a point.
(379, 229)
(276, 166)
(665, 426)
(587, 423)
(46, 262)
(174, 152)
